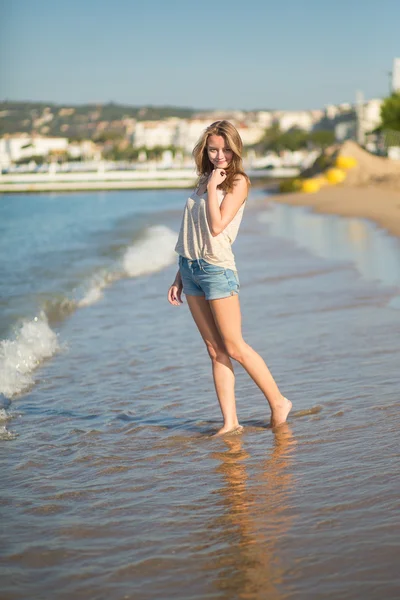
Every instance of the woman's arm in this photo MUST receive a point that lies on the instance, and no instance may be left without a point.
(178, 278)
(219, 217)
(175, 290)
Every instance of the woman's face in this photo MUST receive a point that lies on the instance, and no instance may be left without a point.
(218, 151)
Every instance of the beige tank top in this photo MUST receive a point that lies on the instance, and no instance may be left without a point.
(195, 239)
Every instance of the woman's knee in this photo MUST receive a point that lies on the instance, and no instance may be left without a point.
(216, 352)
(237, 350)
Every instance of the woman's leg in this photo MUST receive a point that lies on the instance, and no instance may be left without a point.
(228, 320)
(224, 378)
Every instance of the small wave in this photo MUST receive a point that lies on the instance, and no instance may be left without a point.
(5, 417)
(34, 342)
(58, 309)
(149, 254)
(307, 411)
(152, 253)
(6, 435)
(95, 289)
(92, 296)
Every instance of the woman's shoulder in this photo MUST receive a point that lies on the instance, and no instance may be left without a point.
(241, 181)
(241, 177)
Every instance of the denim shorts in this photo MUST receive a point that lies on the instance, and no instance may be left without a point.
(200, 278)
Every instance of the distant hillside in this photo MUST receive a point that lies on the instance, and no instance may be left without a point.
(69, 120)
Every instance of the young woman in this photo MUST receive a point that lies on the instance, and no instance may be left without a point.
(207, 273)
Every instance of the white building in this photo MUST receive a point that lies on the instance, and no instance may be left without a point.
(15, 148)
(317, 115)
(189, 131)
(396, 75)
(347, 125)
(185, 133)
(371, 114)
(289, 119)
(154, 133)
(250, 134)
(85, 149)
(264, 118)
(331, 111)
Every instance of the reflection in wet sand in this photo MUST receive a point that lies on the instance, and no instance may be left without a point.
(246, 537)
(375, 254)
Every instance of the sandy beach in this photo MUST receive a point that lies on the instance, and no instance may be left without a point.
(376, 203)
(371, 190)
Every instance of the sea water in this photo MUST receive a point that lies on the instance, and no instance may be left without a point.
(112, 484)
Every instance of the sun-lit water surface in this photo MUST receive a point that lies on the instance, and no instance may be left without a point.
(113, 487)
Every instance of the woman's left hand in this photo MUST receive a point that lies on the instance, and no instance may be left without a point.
(217, 176)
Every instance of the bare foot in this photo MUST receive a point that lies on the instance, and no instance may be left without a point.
(280, 412)
(236, 430)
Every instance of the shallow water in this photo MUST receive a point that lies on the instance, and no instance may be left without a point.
(113, 487)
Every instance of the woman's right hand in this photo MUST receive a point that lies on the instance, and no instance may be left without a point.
(175, 294)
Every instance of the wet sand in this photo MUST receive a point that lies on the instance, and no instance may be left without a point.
(114, 487)
(376, 203)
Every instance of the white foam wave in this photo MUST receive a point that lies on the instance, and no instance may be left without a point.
(5, 434)
(94, 294)
(4, 416)
(148, 255)
(34, 342)
(96, 287)
(152, 253)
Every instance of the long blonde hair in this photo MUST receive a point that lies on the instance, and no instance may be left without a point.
(233, 140)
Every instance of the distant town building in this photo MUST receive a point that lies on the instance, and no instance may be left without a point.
(290, 119)
(154, 133)
(184, 133)
(345, 123)
(264, 118)
(66, 112)
(188, 132)
(331, 111)
(45, 117)
(372, 114)
(251, 133)
(84, 149)
(317, 115)
(345, 126)
(17, 147)
(396, 75)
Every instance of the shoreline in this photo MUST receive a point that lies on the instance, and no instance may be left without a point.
(91, 186)
(375, 203)
(120, 180)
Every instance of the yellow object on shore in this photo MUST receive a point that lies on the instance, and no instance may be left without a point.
(290, 185)
(346, 162)
(310, 186)
(335, 175)
(321, 180)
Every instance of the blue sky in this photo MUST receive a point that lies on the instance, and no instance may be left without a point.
(288, 54)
